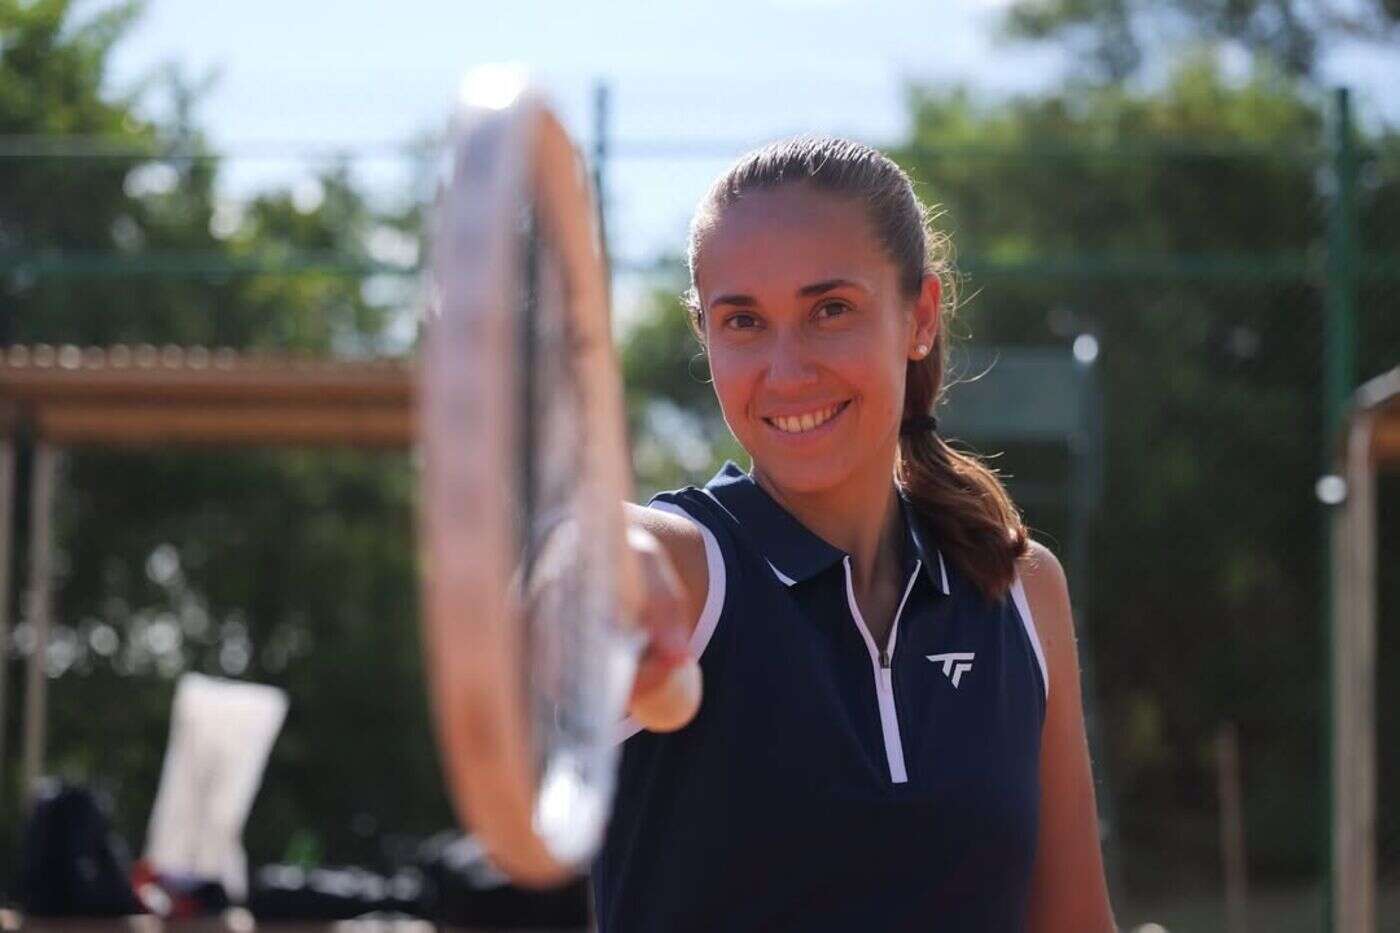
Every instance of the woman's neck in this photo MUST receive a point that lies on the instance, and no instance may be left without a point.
(861, 516)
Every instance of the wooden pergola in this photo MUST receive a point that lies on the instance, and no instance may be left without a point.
(145, 396)
(1370, 443)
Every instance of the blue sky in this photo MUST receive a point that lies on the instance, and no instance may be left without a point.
(724, 71)
(717, 72)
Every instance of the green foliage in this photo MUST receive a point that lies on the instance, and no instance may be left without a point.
(295, 569)
(677, 430)
(1185, 229)
(1205, 568)
(1116, 37)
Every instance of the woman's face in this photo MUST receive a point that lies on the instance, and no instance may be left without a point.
(808, 334)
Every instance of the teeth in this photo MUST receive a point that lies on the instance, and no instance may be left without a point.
(796, 424)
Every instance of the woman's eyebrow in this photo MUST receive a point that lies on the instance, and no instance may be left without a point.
(828, 285)
(806, 291)
(739, 301)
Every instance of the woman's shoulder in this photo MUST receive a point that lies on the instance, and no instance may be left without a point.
(684, 541)
(1042, 578)
(690, 521)
(1041, 572)
(677, 530)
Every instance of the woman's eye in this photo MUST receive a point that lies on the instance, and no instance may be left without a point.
(740, 321)
(831, 309)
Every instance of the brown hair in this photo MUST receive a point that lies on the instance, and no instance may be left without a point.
(979, 528)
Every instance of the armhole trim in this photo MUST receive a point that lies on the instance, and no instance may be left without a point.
(1023, 609)
(714, 598)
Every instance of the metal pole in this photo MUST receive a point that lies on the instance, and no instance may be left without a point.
(1085, 492)
(7, 501)
(36, 686)
(1340, 366)
(601, 99)
(1339, 379)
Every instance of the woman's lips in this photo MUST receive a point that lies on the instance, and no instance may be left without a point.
(809, 424)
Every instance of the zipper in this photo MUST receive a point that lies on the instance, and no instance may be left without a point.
(881, 660)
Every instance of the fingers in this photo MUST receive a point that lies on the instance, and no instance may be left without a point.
(673, 703)
(668, 640)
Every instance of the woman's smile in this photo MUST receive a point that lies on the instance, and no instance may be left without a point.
(807, 424)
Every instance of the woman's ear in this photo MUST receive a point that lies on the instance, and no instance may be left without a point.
(927, 318)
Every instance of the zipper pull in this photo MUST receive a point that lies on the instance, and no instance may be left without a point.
(884, 658)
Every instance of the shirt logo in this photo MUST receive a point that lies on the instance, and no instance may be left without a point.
(955, 664)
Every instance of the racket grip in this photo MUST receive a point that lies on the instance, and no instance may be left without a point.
(673, 703)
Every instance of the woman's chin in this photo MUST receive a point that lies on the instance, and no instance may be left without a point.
(802, 476)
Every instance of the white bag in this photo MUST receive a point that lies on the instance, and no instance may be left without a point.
(221, 733)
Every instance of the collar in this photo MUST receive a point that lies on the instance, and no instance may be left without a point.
(794, 552)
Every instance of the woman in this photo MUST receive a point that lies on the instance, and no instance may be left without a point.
(892, 735)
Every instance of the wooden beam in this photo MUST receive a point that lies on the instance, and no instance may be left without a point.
(145, 395)
(45, 466)
(1378, 401)
(1385, 438)
(1354, 690)
(267, 381)
(299, 424)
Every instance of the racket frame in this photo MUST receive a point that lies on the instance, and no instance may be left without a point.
(503, 158)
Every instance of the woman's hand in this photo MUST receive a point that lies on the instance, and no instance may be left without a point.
(666, 692)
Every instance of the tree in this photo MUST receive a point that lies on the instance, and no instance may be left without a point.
(674, 421)
(1117, 36)
(1185, 229)
(291, 568)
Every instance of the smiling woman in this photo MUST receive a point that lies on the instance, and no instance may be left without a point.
(892, 735)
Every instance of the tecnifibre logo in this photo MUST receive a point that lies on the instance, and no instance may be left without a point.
(955, 664)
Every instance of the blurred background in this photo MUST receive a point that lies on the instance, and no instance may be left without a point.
(1178, 231)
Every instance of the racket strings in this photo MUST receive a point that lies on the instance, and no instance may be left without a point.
(562, 609)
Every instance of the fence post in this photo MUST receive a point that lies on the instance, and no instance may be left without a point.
(1338, 381)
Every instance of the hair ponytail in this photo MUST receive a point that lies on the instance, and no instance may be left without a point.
(978, 527)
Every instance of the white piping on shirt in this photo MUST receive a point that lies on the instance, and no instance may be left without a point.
(884, 673)
(1023, 608)
(714, 599)
(783, 578)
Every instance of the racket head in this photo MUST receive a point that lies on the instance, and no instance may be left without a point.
(529, 588)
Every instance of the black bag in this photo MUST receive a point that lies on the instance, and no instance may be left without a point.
(468, 891)
(71, 863)
(288, 893)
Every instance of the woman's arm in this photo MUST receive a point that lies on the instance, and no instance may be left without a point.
(670, 553)
(1068, 891)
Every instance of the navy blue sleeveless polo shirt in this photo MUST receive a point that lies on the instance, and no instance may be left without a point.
(826, 784)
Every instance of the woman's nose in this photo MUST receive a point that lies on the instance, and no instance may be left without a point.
(790, 364)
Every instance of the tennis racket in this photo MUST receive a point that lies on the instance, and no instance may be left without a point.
(530, 588)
